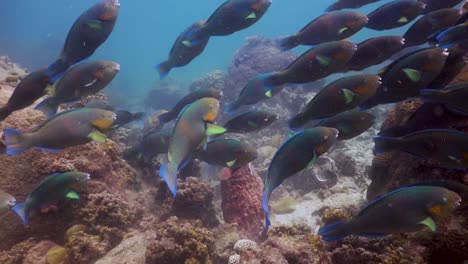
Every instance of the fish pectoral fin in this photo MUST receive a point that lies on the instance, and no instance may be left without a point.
(91, 83)
(269, 94)
(412, 74)
(212, 130)
(251, 16)
(97, 136)
(429, 222)
(343, 30)
(50, 89)
(95, 24)
(187, 43)
(231, 163)
(73, 195)
(403, 19)
(324, 61)
(348, 96)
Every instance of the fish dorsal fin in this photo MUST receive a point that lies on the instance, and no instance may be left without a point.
(429, 222)
(378, 200)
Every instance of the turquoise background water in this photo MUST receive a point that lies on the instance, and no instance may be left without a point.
(32, 33)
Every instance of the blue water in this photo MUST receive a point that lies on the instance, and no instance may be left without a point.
(32, 33)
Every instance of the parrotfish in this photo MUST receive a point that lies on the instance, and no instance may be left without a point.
(250, 121)
(454, 65)
(339, 96)
(54, 188)
(124, 117)
(190, 133)
(295, 155)
(87, 33)
(150, 146)
(350, 124)
(427, 25)
(99, 104)
(232, 16)
(182, 53)
(186, 100)
(229, 153)
(454, 97)
(69, 128)
(395, 14)
(6, 202)
(79, 81)
(374, 51)
(252, 93)
(404, 77)
(451, 36)
(408, 209)
(342, 4)
(447, 147)
(460, 188)
(331, 26)
(31, 88)
(315, 64)
(433, 5)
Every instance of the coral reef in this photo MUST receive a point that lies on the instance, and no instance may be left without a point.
(241, 199)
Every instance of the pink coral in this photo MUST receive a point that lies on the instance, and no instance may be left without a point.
(242, 199)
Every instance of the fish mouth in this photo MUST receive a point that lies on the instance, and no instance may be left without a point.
(116, 3)
(117, 67)
(11, 202)
(87, 177)
(445, 52)
(402, 41)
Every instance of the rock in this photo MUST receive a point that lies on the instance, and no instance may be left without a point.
(130, 251)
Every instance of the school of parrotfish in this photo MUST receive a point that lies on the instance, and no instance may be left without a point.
(336, 112)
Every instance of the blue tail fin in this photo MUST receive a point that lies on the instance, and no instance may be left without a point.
(56, 69)
(288, 43)
(266, 210)
(163, 69)
(14, 141)
(334, 231)
(385, 144)
(20, 210)
(169, 175)
(48, 107)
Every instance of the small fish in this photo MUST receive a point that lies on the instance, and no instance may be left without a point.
(433, 5)
(186, 100)
(229, 153)
(190, 132)
(182, 53)
(152, 122)
(232, 16)
(69, 128)
(350, 124)
(404, 210)
(150, 146)
(79, 81)
(447, 147)
(252, 93)
(454, 97)
(30, 89)
(315, 64)
(454, 65)
(451, 36)
(429, 24)
(87, 33)
(395, 14)
(331, 26)
(295, 155)
(460, 188)
(374, 51)
(6, 202)
(250, 121)
(339, 96)
(54, 188)
(404, 77)
(342, 4)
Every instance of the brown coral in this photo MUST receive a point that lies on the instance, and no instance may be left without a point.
(84, 248)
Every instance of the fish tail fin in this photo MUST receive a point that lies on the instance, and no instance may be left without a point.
(163, 69)
(288, 43)
(5, 112)
(429, 95)
(296, 122)
(20, 210)
(385, 144)
(169, 173)
(15, 141)
(334, 231)
(48, 107)
(56, 69)
(266, 210)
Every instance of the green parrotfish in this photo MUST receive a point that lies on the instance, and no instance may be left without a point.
(229, 153)
(250, 121)
(395, 14)
(350, 124)
(454, 97)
